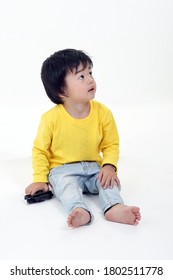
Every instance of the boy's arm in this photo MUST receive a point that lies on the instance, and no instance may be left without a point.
(40, 159)
(110, 150)
(41, 152)
(110, 141)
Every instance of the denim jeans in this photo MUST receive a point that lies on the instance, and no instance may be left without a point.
(71, 181)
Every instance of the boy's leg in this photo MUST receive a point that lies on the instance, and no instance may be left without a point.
(67, 187)
(108, 197)
(114, 209)
(112, 204)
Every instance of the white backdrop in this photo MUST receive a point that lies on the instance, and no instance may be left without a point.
(130, 42)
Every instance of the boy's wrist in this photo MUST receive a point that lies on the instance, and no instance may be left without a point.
(111, 165)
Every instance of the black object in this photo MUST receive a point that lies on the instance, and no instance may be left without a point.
(38, 196)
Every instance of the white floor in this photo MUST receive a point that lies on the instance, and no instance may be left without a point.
(146, 171)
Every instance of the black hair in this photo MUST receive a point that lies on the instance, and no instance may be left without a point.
(55, 68)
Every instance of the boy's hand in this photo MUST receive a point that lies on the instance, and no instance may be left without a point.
(107, 177)
(34, 187)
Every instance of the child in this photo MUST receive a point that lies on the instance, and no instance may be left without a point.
(77, 145)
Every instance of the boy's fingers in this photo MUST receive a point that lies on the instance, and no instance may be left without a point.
(112, 183)
(28, 190)
(33, 188)
(100, 175)
(107, 180)
(33, 191)
(117, 181)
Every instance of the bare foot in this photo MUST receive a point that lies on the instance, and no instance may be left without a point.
(124, 214)
(78, 217)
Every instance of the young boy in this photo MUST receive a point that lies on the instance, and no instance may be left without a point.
(77, 145)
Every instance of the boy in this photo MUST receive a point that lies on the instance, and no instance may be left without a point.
(77, 145)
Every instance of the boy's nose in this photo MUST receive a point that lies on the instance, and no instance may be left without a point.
(90, 79)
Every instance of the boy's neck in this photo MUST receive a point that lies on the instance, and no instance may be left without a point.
(78, 111)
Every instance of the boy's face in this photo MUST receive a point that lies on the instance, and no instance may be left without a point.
(80, 84)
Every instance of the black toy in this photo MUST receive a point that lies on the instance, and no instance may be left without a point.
(38, 196)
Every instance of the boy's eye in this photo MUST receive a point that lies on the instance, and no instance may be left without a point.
(90, 73)
(81, 77)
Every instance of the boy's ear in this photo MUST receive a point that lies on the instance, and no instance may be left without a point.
(63, 91)
(64, 94)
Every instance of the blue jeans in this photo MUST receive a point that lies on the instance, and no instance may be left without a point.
(71, 181)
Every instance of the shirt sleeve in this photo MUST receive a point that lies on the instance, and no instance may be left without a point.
(110, 141)
(41, 152)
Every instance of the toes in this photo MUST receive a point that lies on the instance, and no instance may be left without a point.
(135, 209)
(78, 218)
(137, 216)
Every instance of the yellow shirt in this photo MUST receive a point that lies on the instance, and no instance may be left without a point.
(63, 139)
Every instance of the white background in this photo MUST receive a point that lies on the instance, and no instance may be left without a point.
(131, 44)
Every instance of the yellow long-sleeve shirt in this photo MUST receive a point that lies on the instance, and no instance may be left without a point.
(63, 139)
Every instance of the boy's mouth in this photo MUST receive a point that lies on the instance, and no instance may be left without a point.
(91, 89)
